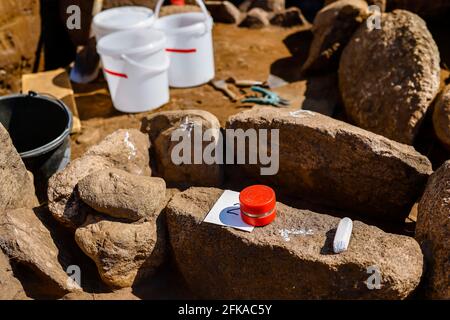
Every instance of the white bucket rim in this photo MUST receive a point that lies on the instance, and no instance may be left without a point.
(98, 22)
(203, 25)
(155, 46)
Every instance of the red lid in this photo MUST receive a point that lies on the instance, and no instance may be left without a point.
(257, 200)
(177, 2)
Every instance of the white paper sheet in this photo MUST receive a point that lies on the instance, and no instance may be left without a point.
(226, 212)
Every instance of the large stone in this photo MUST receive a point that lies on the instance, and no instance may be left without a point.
(16, 183)
(11, 288)
(338, 164)
(124, 253)
(288, 18)
(123, 149)
(160, 127)
(244, 6)
(268, 5)
(292, 258)
(333, 27)
(64, 201)
(433, 232)
(20, 27)
(123, 195)
(388, 77)
(223, 11)
(381, 4)
(126, 149)
(256, 18)
(26, 241)
(441, 117)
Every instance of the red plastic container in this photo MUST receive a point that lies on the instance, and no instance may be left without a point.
(177, 2)
(258, 205)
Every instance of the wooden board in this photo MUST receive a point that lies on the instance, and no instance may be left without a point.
(57, 84)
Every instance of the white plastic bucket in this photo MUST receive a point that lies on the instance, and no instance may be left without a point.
(189, 44)
(121, 19)
(136, 65)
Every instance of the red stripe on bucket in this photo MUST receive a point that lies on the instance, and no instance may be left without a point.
(117, 74)
(181, 50)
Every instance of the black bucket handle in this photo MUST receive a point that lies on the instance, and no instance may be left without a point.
(33, 94)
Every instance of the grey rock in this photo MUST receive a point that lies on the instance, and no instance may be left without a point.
(433, 233)
(331, 162)
(223, 11)
(441, 117)
(124, 253)
(256, 18)
(288, 18)
(16, 183)
(122, 195)
(388, 77)
(12, 289)
(126, 149)
(379, 3)
(25, 240)
(333, 27)
(271, 263)
(160, 127)
(268, 5)
(123, 149)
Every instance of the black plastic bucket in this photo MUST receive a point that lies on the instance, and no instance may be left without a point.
(39, 127)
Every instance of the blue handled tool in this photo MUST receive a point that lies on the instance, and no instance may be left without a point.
(268, 98)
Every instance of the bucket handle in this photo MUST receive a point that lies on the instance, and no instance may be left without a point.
(33, 94)
(148, 70)
(48, 96)
(202, 6)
